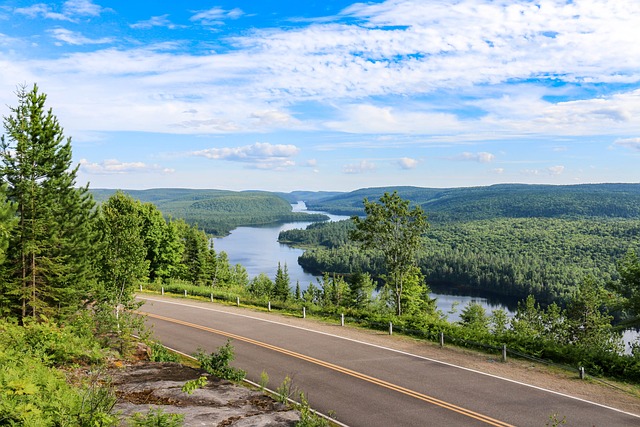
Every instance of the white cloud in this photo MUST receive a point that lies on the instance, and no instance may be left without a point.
(631, 143)
(408, 163)
(555, 170)
(77, 39)
(403, 54)
(71, 9)
(365, 118)
(498, 171)
(357, 168)
(261, 155)
(156, 21)
(552, 170)
(273, 118)
(216, 16)
(114, 166)
(82, 8)
(41, 9)
(482, 157)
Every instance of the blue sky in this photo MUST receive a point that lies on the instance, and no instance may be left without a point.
(334, 95)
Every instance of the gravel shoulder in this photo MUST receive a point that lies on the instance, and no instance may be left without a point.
(624, 397)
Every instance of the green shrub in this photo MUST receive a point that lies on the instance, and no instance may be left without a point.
(159, 353)
(217, 363)
(156, 418)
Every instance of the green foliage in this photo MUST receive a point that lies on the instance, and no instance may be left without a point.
(285, 390)
(49, 270)
(261, 287)
(190, 386)
(34, 393)
(219, 211)
(123, 260)
(282, 284)
(474, 316)
(159, 353)
(512, 257)
(501, 201)
(396, 230)
(588, 320)
(156, 418)
(308, 417)
(217, 363)
(264, 380)
(628, 288)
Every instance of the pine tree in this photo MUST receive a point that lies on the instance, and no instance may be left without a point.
(7, 222)
(281, 288)
(49, 269)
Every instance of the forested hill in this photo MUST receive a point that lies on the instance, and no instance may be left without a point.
(501, 201)
(217, 211)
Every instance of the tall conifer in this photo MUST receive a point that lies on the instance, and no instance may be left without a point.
(49, 264)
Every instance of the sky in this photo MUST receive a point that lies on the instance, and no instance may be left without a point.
(333, 95)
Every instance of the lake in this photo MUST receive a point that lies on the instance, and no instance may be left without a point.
(258, 250)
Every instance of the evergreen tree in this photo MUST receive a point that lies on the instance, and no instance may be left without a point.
(7, 222)
(49, 270)
(281, 288)
(361, 288)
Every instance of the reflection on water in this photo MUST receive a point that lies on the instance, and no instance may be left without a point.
(258, 250)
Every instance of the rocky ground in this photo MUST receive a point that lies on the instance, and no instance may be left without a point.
(142, 386)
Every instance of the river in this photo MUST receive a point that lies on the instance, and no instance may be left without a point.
(258, 250)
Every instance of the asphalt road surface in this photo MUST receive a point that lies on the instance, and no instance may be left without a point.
(367, 385)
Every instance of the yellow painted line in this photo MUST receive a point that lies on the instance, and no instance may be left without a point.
(364, 377)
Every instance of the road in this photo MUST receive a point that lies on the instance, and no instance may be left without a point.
(364, 384)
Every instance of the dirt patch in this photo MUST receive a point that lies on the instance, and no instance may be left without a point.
(148, 385)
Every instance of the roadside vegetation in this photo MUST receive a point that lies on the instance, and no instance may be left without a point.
(71, 267)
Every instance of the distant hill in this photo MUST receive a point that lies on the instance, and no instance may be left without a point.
(217, 211)
(501, 201)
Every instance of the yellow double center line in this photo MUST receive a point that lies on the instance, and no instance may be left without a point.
(373, 380)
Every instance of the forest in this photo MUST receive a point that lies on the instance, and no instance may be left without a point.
(72, 264)
(514, 257)
(217, 212)
(501, 201)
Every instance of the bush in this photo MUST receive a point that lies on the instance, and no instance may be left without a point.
(217, 363)
(33, 393)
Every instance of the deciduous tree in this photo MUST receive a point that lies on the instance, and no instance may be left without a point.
(396, 230)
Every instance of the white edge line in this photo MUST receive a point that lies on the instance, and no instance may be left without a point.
(400, 352)
(273, 393)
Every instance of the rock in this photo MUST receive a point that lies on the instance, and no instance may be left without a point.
(146, 385)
